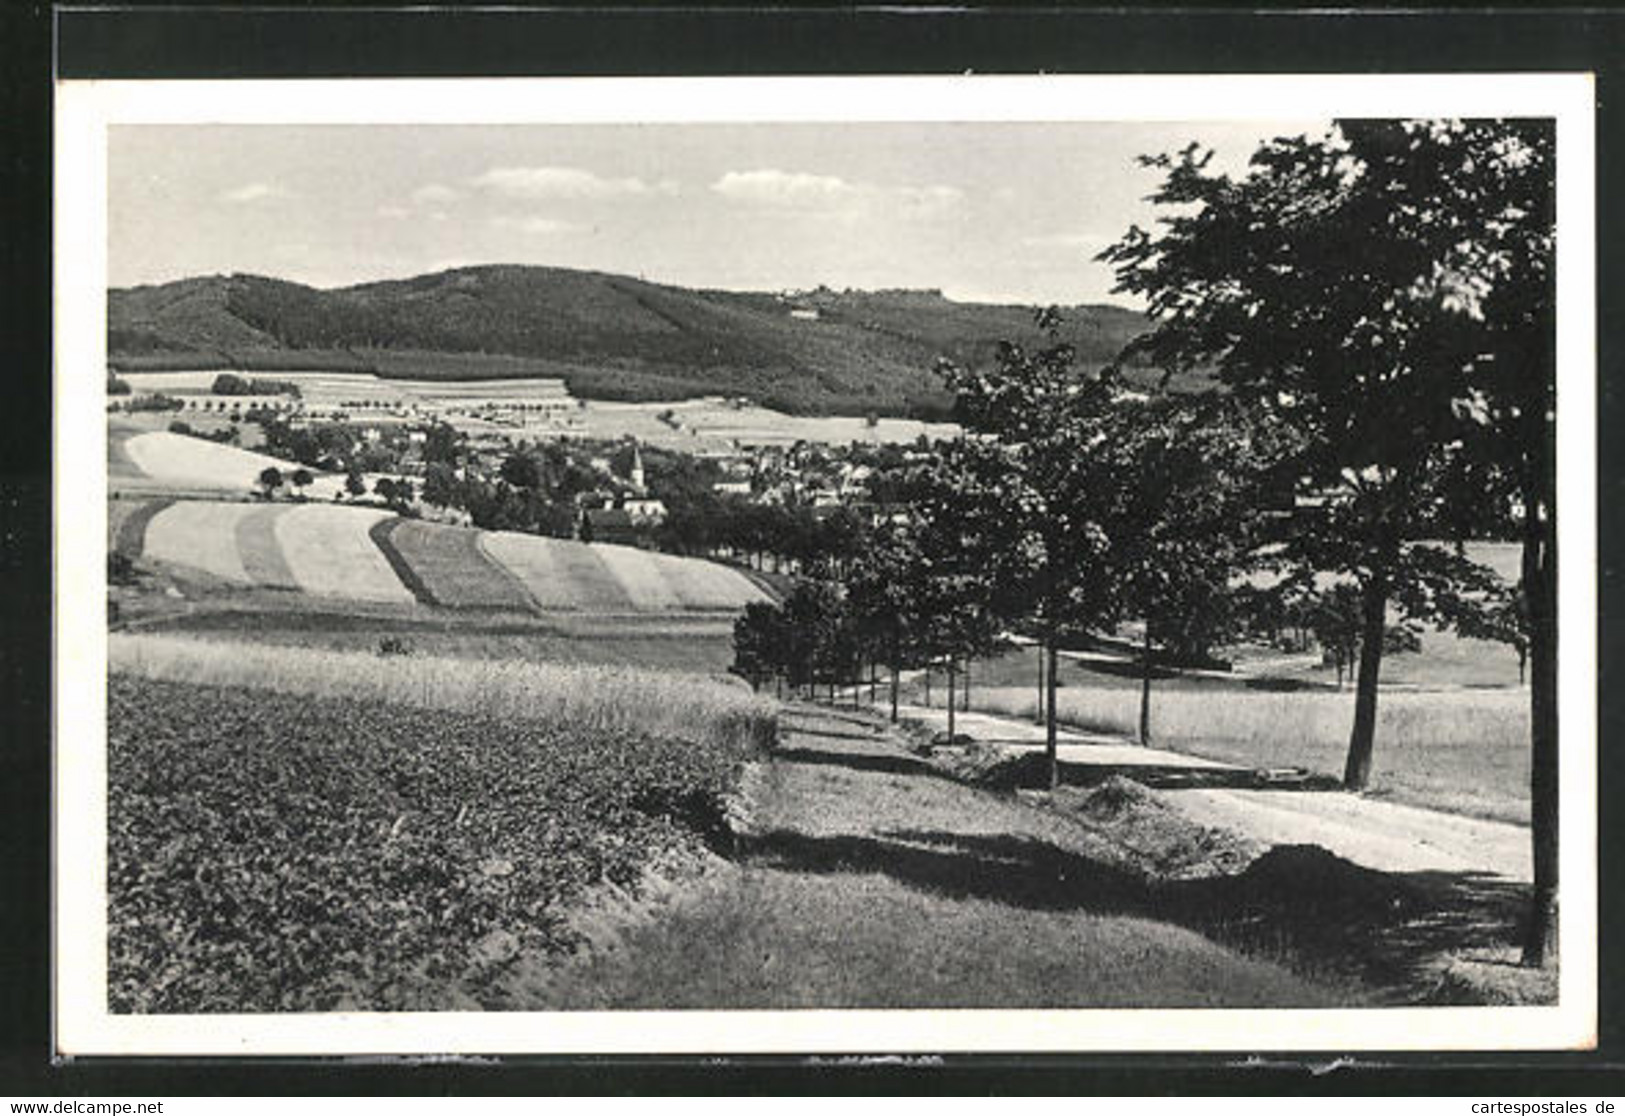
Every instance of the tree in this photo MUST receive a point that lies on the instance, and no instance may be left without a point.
(270, 479)
(959, 551)
(439, 484)
(441, 444)
(398, 494)
(759, 641)
(885, 599)
(520, 470)
(1317, 295)
(301, 478)
(354, 483)
(1189, 521)
(1505, 619)
(1388, 288)
(1038, 428)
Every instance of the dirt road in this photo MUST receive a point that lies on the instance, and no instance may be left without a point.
(1384, 836)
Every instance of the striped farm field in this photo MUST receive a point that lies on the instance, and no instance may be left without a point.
(258, 547)
(370, 555)
(640, 576)
(446, 565)
(705, 586)
(559, 575)
(127, 524)
(567, 576)
(330, 553)
(201, 536)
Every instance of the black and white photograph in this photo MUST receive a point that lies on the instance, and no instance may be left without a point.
(813, 564)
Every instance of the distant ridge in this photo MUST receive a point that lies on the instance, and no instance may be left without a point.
(610, 336)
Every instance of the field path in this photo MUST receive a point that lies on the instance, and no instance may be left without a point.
(1386, 836)
(863, 877)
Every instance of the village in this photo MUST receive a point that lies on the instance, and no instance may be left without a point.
(518, 455)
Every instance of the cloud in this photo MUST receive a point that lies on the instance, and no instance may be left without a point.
(253, 192)
(434, 194)
(393, 212)
(800, 190)
(535, 226)
(568, 184)
(787, 188)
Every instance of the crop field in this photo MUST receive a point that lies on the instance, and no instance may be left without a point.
(195, 462)
(708, 585)
(287, 852)
(710, 423)
(447, 566)
(331, 553)
(1462, 751)
(258, 548)
(639, 575)
(557, 573)
(127, 524)
(583, 697)
(363, 555)
(201, 536)
(573, 576)
(646, 643)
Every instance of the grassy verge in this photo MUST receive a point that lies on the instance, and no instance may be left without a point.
(1464, 751)
(865, 940)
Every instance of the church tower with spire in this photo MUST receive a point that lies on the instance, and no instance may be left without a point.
(636, 475)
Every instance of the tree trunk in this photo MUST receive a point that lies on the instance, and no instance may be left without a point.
(896, 668)
(928, 685)
(1540, 591)
(950, 700)
(964, 690)
(1373, 618)
(1038, 710)
(1145, 689)
(1049, 721)
(874, 679)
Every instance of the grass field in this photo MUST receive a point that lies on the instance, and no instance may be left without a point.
(1464, 751)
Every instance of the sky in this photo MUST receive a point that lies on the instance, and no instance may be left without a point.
(1003, 212)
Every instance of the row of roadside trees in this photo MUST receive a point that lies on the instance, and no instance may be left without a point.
(1375, 306)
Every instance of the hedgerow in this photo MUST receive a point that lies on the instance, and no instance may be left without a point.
(279, 852)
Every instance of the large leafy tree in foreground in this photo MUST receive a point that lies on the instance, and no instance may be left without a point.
(1385, 290)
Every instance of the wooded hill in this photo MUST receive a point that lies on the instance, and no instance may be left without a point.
(609, 336)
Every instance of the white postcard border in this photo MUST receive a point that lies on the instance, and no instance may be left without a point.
(84, 111)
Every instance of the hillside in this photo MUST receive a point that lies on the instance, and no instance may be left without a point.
(609, 336)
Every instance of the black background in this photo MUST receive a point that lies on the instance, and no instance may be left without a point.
(300, 41)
